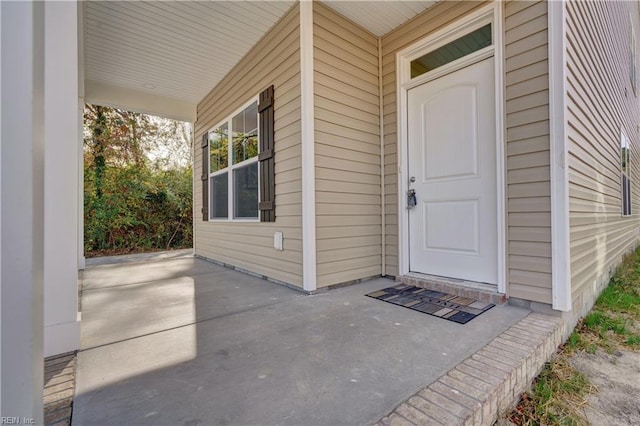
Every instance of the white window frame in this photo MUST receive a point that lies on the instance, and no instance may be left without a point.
(633, 59)
(625, 143)
(231, 166)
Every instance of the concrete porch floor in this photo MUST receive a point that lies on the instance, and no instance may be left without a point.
(186, 342)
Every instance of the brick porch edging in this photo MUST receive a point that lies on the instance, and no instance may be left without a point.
(59, 388)
(489, 382)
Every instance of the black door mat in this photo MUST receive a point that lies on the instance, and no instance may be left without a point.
(443, 305)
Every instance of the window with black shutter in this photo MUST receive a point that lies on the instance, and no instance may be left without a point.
(267, 204)
(205, 176)
(238, 164)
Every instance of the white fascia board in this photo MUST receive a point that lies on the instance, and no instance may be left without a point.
(309, 276)
(104, 94)
(561, 257)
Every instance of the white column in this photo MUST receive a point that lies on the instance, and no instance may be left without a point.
(80, 192)
(1, 116)
(309, 271)
(62, 330)
(81, 97)
(22, 193)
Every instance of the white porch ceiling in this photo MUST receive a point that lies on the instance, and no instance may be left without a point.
(379, 17)
(170, 54)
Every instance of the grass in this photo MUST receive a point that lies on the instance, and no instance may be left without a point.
(557, 397)
(559, 393)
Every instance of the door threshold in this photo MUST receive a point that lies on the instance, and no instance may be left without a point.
(470, 289)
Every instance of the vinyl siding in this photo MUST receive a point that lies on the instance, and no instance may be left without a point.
(527, 138)
(274, 60)
(601, 102)
(347, 150)
(527, 150)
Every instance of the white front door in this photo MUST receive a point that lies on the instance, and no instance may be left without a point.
(452, 157)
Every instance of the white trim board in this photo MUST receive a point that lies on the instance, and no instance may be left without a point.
(491, 13)
(560, 248)
(383, 214)
(309, 275)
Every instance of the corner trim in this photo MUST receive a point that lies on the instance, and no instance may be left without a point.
(383, 208)
(560, 263)
(501, 162)
(309, 275)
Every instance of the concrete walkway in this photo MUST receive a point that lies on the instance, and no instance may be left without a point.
(139, 257)
(187, 342)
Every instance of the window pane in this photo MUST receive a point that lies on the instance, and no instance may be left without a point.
(245, 183)
(626, 174)
(245, 134)
(220, 196)
(474, 41)
(626, 196)
(218, 148)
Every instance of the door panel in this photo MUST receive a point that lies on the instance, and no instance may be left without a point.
(452, 156)
(442, 219)
(458, 157)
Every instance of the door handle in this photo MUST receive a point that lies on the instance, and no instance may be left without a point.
(412, 200)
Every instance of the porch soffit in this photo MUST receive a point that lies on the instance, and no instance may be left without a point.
(163, 57)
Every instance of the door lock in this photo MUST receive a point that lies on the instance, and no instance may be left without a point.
(412, 201)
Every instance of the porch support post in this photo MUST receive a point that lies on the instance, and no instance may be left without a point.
(560, 265)
(80, 136)
(308, 148)
(62, 328)
(22, 213)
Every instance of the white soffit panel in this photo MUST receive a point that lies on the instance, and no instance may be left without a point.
(379, 17)
(179, 50)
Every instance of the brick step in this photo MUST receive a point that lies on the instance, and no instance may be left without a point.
(487, 384)
(472, 290)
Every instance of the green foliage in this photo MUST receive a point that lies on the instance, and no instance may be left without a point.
(557, 397)
(633, 341)
(131, 203)
(623, 292)
(575, 342)
(613, 321)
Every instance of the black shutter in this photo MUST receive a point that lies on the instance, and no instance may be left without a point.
(267, 204)
(205, 177)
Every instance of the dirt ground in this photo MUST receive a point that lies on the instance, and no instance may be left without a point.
(617, 377)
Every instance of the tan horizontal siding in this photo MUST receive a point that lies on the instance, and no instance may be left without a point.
(527, 151)
(274, 60)
(347, 150)
(601, 102)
